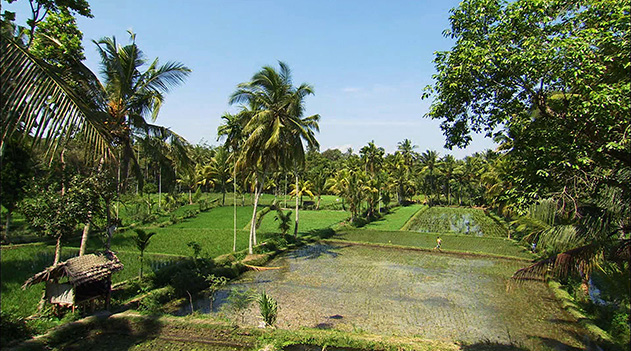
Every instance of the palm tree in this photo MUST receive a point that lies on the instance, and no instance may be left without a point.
(132, 96)
(318, 178)
(447, 167)
(407, 150)
(142, 241)
(298, 190)
(429, 163)
(276, 129)
(232, 130)
(372, 157)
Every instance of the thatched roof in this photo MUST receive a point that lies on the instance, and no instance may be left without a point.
(80, 270)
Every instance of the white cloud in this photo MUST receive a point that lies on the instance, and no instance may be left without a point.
(351, 90)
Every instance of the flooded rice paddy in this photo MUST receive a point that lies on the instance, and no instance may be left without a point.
(430, 295)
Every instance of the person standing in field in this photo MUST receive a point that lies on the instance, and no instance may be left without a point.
(439, 242)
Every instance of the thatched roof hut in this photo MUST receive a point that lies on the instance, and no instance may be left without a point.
(88, 277)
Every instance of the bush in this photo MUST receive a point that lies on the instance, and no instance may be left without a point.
(150, 188)
(156, 299)
(269, 309)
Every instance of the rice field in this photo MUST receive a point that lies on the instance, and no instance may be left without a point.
(396, 219)
(307, 220)
(456, 220)
(450, 242)
(397, 292)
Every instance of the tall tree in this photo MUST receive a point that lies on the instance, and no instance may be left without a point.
(429, 163)
(552, 81)
(232, 130)
(134, 95)
(276, 129)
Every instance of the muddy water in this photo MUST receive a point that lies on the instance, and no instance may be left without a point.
(431, 295)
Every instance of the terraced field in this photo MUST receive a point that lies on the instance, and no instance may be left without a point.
(430, 295)
(396, 219)
(455, 220)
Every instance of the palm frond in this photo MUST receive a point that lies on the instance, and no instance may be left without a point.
(580, 260)
(37, 101)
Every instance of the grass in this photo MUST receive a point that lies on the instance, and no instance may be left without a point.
(168, 333)
(456, 243)
(395, 219)
(457, 220)
(308, 220)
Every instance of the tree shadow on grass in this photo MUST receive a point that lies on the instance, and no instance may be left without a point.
(104, 334)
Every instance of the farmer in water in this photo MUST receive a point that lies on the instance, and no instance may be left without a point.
(439, 241)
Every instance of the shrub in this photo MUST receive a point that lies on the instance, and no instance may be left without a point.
(239, 301)
(150, 188)
(269, 309)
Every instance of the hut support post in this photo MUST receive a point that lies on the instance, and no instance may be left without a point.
(108, 297)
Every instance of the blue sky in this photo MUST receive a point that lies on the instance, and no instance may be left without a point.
(368, 61)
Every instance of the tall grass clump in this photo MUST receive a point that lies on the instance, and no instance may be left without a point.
(269, 309)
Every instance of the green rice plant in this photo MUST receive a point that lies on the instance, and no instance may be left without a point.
(455, 243)
(309, 220)
(468, 221)
(268, 308)
(396, 219)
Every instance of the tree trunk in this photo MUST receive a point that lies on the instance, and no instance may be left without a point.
(6, 227)
(257, 194)
(296, 224)
(84, 238)
(234, 205)
(190, 197)
(141, 262)
(285, 191)
(160, 188)
(57, 250)
(318, 204)
(108, 224)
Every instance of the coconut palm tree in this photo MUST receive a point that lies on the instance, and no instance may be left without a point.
(429, 162)
(134, 95)
(407, 150)
(276, 129)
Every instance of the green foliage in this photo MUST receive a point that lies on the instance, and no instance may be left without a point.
(239, 301)
(150, 188)
(58, 40)
(283, 220)
(214, 284)
(51, 214)
(155, 300)
(142, 241)
(268, 308)
(196, 248)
